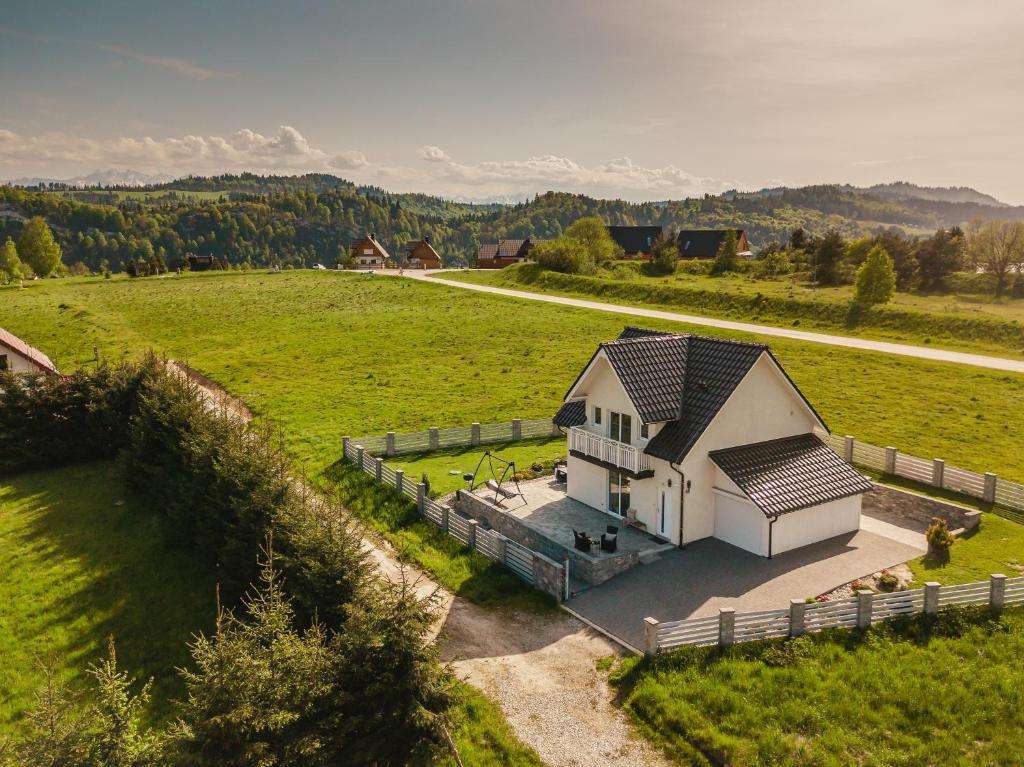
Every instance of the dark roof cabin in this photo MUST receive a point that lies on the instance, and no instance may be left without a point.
(420, 254)
(704, 243)
(635, 240)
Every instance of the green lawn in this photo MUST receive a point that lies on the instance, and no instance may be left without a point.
(81, 563)
(972, 323)
(996, 547)
(921, 692)
(327, 354)
(444, 468)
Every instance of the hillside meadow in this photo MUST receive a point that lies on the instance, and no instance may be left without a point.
(328, 354)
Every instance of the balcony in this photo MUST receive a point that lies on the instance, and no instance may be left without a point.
(609, 452)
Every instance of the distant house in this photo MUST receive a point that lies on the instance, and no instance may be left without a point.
(420, 254)
(503, 253)
(368, 253)
(635, 241)
(704, 243)
(18, 357)
(200, 263)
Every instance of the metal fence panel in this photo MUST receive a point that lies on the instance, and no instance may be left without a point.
(458, 528)
(868, 455)
(487, 544)
(910, 467)
(519, 560)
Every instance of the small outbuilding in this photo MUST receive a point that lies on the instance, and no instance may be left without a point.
(420, 254)
(17, 356)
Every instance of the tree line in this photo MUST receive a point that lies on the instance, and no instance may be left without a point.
(315, 658)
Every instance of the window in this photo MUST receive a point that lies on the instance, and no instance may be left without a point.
(618, 493)
(620, 427)
(644, 433)
(597, 415)
(3, 362)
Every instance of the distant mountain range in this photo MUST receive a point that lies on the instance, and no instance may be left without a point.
(896, 191)
(99, 178)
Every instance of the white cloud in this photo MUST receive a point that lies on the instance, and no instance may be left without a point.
(350, 160)
(243, 150)
(433, 154)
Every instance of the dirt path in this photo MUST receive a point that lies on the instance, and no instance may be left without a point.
(540, 669)
(886, 347)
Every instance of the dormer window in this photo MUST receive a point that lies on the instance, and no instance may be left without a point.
(597, 416)
(644, 433)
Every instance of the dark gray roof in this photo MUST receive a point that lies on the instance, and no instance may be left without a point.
(572, 413)
(631, 331)
(651, 369)
(701, 243)
(714, 369)
(790, 473)
(635, 239)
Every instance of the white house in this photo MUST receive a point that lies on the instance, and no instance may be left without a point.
(18, 357)
(691, 437)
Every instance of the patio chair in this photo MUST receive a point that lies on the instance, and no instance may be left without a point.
(561, 472)
(581, 541)
(609, 542)
(612, 530)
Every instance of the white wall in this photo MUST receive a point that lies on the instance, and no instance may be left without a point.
(818, 523)
(587, 483)
(17, 363)
(741, 523)
(764, 406)
(601, 387)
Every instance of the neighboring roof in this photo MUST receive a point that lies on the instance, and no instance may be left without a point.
(631, 331)
(414, 245)
(572, 413)
(701, 243)
(488, 250)
(375, 243)
(635, 239)
(509, 248)
(789, 474)
(30, 353)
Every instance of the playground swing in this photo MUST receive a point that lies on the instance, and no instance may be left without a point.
(496, 485)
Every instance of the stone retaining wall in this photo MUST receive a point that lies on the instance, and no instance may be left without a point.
(921, 508)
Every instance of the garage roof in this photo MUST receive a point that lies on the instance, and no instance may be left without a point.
(789, 474)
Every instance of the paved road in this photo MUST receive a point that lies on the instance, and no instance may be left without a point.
(906, 350)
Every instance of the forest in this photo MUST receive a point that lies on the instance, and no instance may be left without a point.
(251, 220)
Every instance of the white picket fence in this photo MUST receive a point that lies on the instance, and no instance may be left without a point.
(396, 443)
(515, 557)
(859, 611)
(936, 472)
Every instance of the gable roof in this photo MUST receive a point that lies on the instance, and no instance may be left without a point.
(702, 243)
(635, 239)
(488, 250)
(371, 242)
(681, 379)
(572, 413)
(412, 246)
(789, 474)
(33, 355)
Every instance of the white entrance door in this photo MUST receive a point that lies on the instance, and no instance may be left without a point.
(663, 512)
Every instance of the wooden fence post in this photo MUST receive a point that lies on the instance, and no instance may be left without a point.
(474, 434)
(378, 469)
(517, 429)
(650, 637)
(890, 460)
(399, 476)
(726, 626)
(938, 472)
(848, 449)
(472, 524)
(389, 441)
(797, 611)
(989, 495)
(865, 597)
(931, 597)
(997, 592)
(421, 497)
(435, 438)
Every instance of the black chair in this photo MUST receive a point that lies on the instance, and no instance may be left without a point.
(612, 530)
(609, 542)
(581, 541)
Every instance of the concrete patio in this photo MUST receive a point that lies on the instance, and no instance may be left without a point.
(551, 517)
(710, 574)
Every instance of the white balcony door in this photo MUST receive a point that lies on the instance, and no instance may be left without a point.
(620, 427)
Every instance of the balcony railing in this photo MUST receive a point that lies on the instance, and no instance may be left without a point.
(608, 450)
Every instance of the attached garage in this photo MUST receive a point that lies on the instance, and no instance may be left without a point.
(785, 493)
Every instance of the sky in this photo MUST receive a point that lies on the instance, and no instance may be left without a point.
(479, 99)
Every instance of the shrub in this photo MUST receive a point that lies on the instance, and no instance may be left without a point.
(773, 264)
(888, 581)
(727, 258)
(665, 255)
(940, 539)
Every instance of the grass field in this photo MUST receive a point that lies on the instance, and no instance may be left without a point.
(920, 692)
(327, 354)
(996, 547)
(977, 323)
(82, 563)
(444, 468)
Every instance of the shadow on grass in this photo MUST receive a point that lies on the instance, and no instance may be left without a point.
(460, 570)
(88, 563)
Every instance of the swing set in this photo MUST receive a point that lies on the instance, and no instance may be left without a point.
(495, 481)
